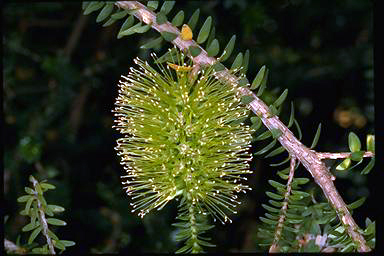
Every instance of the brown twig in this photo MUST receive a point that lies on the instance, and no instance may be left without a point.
(308, 158)
(341, 155)
(280, 224)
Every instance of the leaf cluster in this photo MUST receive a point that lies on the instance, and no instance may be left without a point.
(36, 208)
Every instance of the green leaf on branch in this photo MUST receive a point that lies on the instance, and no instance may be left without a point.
(167, 6)
(153, 5)
(281, 98)
(194, 50)
(178, 19)
(356, 204)
(354, 142)
(161, 18)
(369, 167)
(259, 78)
(371, 143)
(93, 6)
(247, 99)
(317, 136)
(344, 165)
(228, 48)
(204, 31)
(105, 12)
(357, 156)
(56, 222)
(237, 62)
(193, 20)
(34, 234)
(168, 36)
(154, 43)
(214, 48)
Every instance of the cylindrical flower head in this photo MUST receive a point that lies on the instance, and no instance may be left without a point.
(181, 139)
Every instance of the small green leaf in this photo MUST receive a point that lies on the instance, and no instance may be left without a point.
(161, 18)
(127, 24)
(256, 123)
(263, 83)
(38, 250)
(28, 204)
(259, 78)
(218, 67)
(272, 111)
(84, 5)
(194, 50)
(193, 20)
(276, 184)
(105, 12)
(109, 22)
(24, 198)
(30, 226)
(275, 152)
(245, 62)
(58, 245)
(357, 156)
(47, 186)
(142, 29)
(354, 142)
(214, 48)
(153, 5)
(178, 19)
(119, 15)
(167, 6)
(154, 43)
(56, 222)
(247, 99)
(266, 148)
(42, 200)
(280, 163)
(67, 243)
(276, 133)
(371, 143)
(317, 136)
(211, 36)
(281, 98)
(344, 165)
(369, 167)
(274, 196)
(243, 82)
(168, 36)
(270, 209)
(228, 49)
(52, 235)
(263, 136)
(29, 190)
(93, 6)
(204, 31)
(356, 204)
(34, 235)
(237, 62)
(38, 189)
(300, 135)
(292, 116)
(268, 221)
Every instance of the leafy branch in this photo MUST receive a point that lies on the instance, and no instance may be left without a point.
(37, 208)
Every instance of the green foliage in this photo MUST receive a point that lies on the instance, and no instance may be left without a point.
(36, 208)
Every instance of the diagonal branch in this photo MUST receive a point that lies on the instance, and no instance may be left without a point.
(308, 158)
(341, 155)
(283, 212)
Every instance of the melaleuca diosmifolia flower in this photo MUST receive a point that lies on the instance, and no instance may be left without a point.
(182, 139)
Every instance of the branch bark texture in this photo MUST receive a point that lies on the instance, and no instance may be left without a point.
(310, 159)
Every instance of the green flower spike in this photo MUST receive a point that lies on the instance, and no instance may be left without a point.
(182, 139)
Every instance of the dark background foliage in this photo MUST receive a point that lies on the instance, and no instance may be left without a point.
(60, 75)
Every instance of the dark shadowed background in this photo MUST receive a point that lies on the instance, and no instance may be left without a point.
(61, 71)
